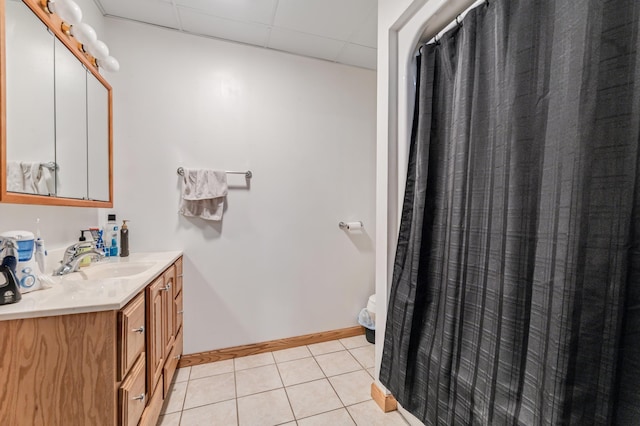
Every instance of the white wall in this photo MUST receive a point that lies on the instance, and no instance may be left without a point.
(277, 266)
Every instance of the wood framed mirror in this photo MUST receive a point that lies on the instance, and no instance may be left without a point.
(56, 131)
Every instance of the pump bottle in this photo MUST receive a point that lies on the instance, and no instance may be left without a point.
(124, 239)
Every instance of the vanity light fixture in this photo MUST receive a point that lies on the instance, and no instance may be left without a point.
(71, 16)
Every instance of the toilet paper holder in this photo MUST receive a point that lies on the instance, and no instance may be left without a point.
(351, 225)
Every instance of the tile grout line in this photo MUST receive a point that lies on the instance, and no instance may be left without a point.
(357, 360)
(185, 396)
(338, 395)
(331, 384)
(235, 385)
(334, 389)
(285, 389)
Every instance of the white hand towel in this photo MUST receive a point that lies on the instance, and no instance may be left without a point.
(15, 179)
(30, 172)
(45, 181)
(203, 193)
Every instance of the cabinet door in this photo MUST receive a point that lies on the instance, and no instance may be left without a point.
(168, 317)
(155, 341)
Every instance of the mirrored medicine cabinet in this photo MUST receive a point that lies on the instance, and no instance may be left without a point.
(55, 112)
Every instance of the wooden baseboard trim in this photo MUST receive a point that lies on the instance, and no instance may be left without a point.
(385, 402)
(272, 345)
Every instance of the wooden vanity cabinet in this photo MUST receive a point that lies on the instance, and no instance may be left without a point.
(93, 368)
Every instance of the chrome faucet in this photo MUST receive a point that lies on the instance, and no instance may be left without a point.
(74, 254)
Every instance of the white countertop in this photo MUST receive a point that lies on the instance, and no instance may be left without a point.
(72, 296)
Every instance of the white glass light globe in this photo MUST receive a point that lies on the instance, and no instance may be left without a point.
(98, 49)
(110, 64)
(67, 10)
(84, 33)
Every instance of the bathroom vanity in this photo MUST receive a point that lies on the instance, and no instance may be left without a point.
(98, 348)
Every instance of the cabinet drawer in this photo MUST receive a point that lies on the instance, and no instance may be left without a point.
(132, 394)
(178, 286)
(178, 310)
(131, 336)
(172, 363)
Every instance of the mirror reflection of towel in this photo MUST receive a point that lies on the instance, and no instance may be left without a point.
(29, 177)
(15, 179)
(203, 193)
(45, 182)
(30, 172)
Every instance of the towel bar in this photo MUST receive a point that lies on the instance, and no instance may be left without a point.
(246, 174)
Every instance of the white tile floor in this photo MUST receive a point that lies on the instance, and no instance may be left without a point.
(325, 384)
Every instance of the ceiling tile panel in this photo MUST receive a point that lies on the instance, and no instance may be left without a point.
(313, 28)
(199, 23)
(304, 44)
(327, 18)
(359, 56)
(240, 10)
(367, 33)
(156, 12)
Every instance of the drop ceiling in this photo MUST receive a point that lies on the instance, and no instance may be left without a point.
(343, 31)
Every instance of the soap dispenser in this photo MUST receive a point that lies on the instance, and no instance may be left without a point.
(87, 260)
(124, 239)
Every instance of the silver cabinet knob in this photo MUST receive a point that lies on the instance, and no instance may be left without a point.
(180, 312)
(138, 398)
(177, 357)
(138, 330)
(167, 287)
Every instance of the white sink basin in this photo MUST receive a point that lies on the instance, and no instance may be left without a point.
(105, 271)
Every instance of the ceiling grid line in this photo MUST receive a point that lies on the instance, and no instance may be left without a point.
(341, 31)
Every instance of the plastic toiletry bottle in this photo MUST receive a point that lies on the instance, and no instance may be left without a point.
(111, 235)
(124, 239)
(96, 234)
(87, 260)
(40, 251)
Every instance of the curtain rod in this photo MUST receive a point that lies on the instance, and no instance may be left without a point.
(457, 21)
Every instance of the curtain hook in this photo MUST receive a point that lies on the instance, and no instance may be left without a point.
(436, 39)
(458, 23)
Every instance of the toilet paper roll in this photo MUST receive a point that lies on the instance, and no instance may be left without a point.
(353, 225)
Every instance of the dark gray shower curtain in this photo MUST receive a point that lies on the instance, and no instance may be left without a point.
(515, 296)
